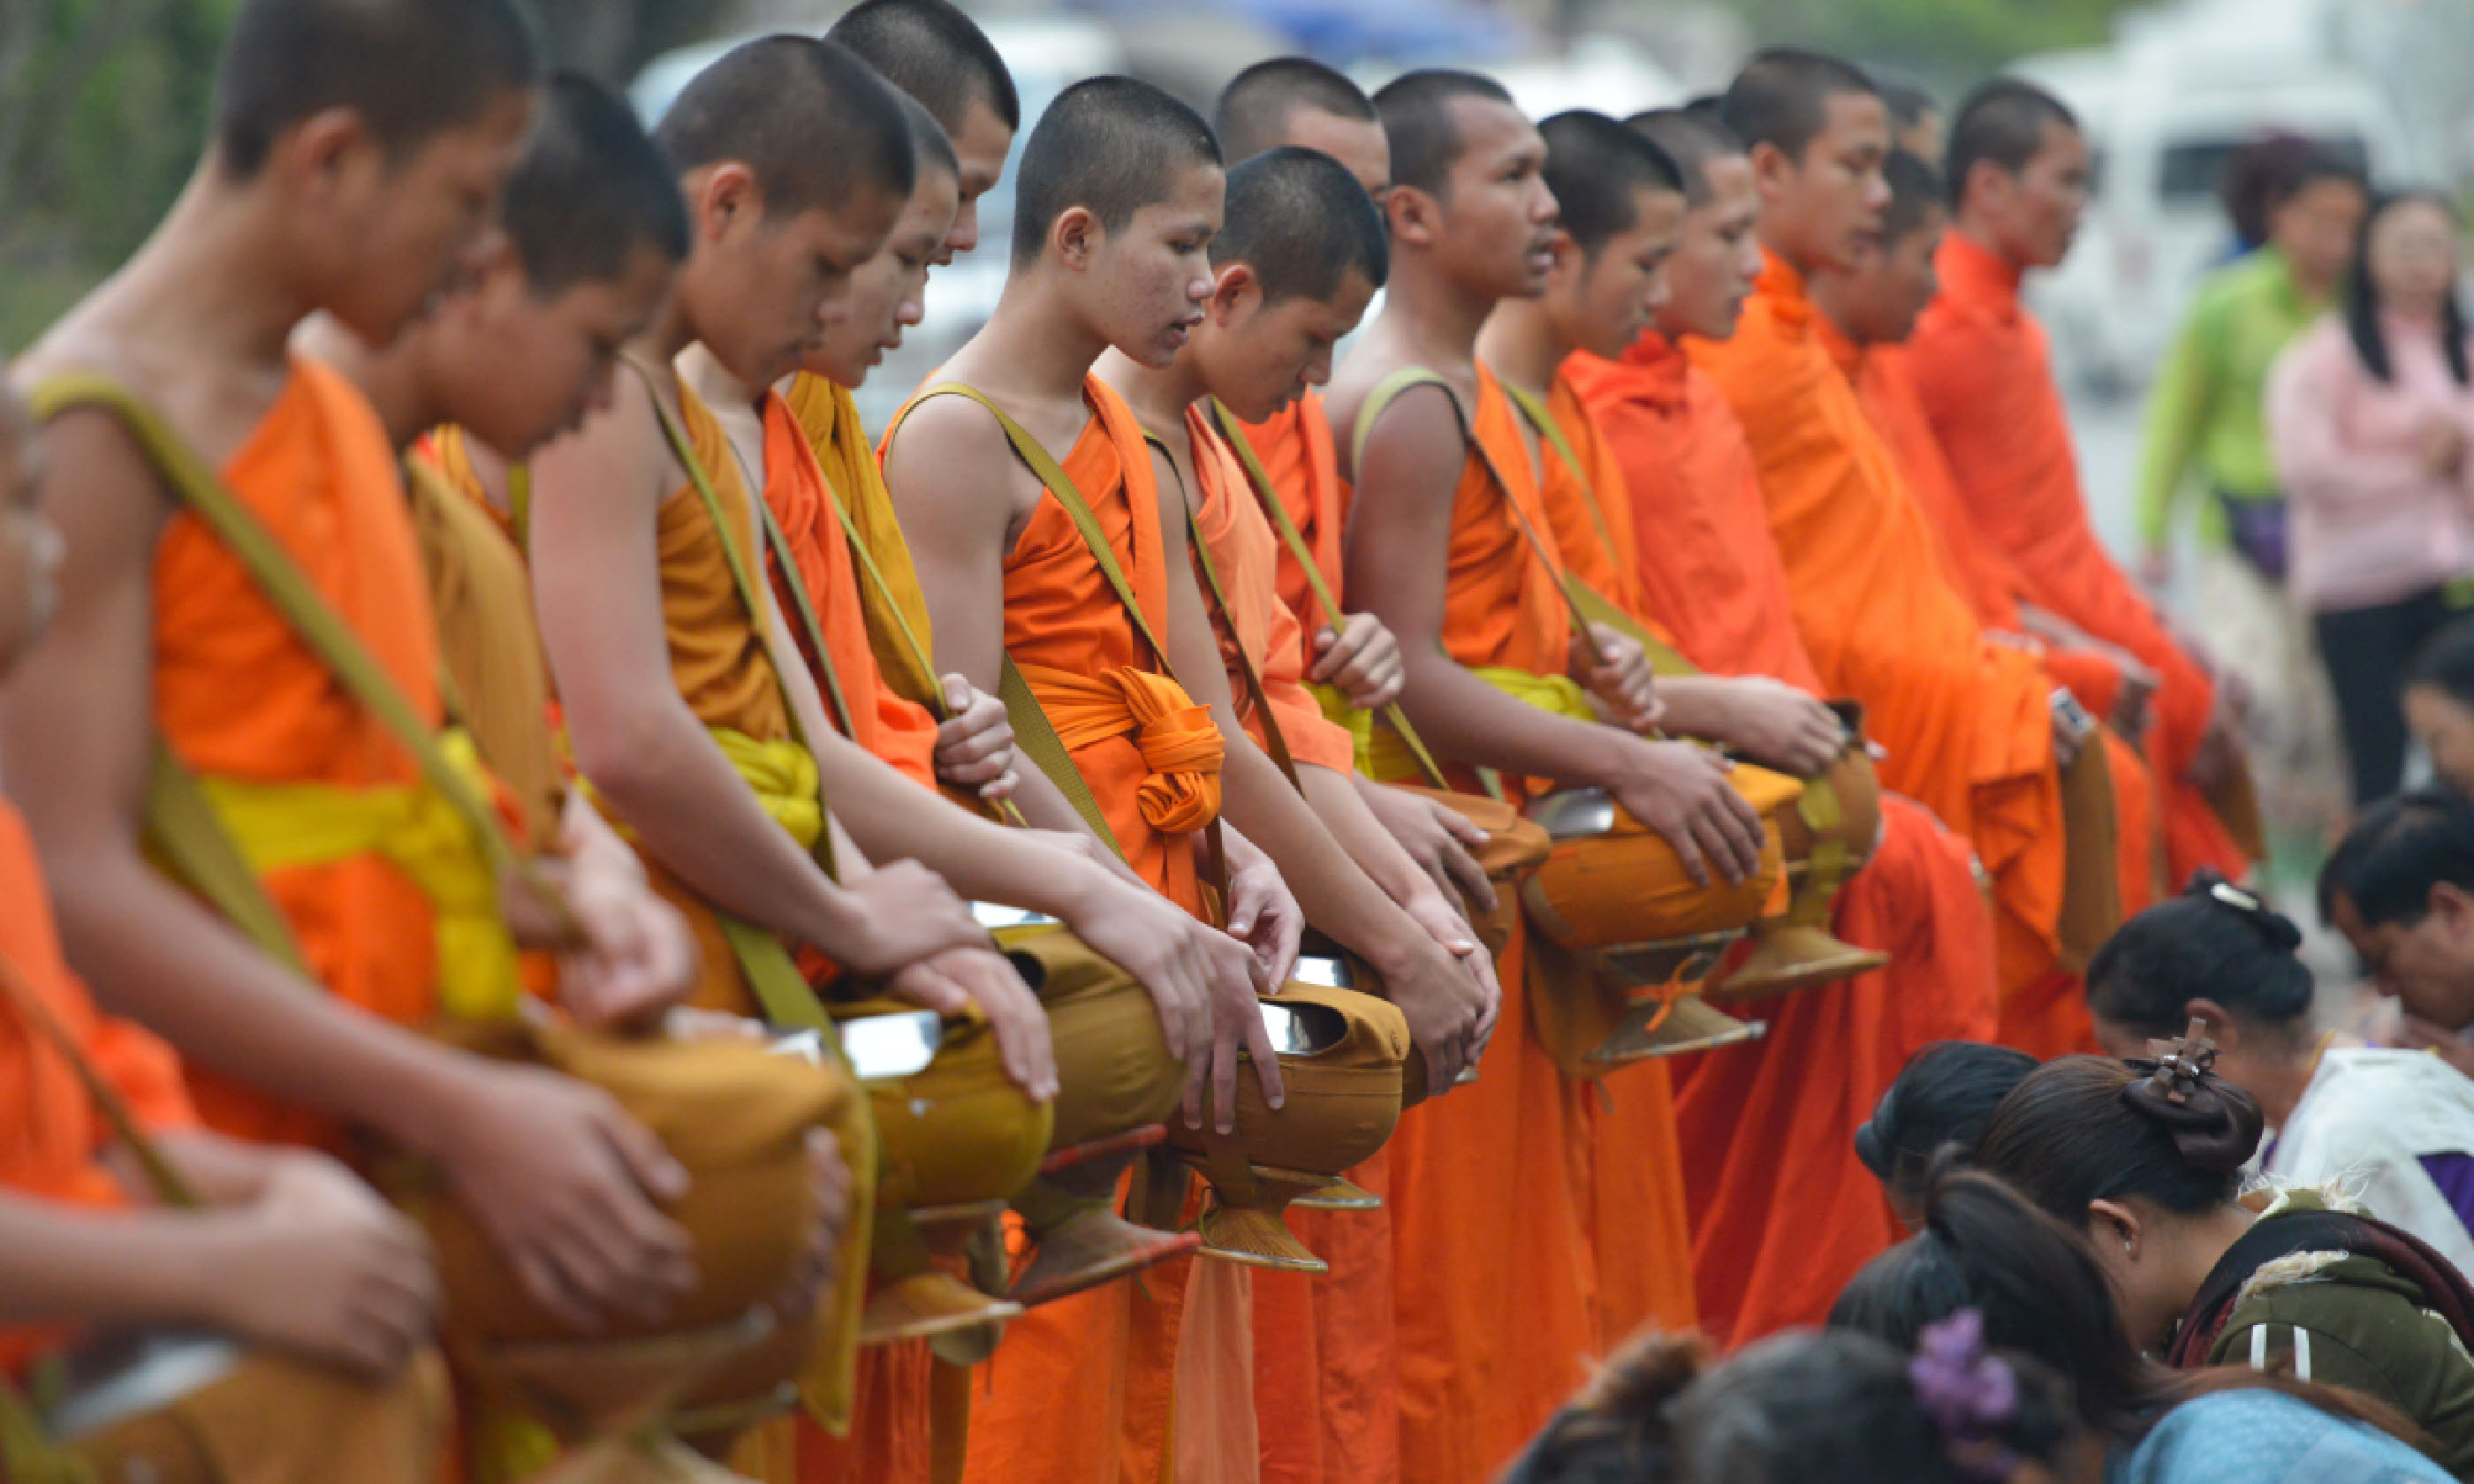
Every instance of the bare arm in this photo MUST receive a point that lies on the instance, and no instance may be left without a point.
(1398, 540)
(1767, 720)
(596, 581)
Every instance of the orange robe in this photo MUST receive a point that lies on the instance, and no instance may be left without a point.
(1082, 1389)
(52, 1135)
(892, 726)
(1886, 390)
(1294, 444)
(1327, 1396)
(1484, 1361)
(1983, 374)
(1966, 720)
(238, 696)
(1783, 1212)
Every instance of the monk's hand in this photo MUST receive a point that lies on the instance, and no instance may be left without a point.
(639, 957)
(1612, 668)
(828, 1187)
(1362, 658)
(952, 982)
(2129, 715)
(904, 912)
(1184, 964)
(1438, 837)
(569, 1189)
(1451, 1015)
(1262, 914)
(319, 1266)
(975, 743)
(1682, 794)
(1782, 726)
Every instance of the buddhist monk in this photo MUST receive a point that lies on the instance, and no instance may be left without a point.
(356, 150)
(1973, 729)
(2019, 177)
(1442, 550)
(292, 1251)
(1292, 269)
(518, 352)
(1298, 101)
(933, 50)
(1120, 191)
(1866, 317)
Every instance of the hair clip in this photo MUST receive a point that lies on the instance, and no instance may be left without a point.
(2182, 1062)
(1969, 1393)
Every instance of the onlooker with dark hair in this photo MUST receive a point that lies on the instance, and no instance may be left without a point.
(2143, 1160)
(1807, 1404)
(2395, 1127)
(2400, 887)
(2370, 414)
(1942, 1099)
(2040, 1291)
(2439, 705)
(2207, 426)
(2261, 174)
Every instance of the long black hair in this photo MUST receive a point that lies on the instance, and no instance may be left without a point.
(2363, 299)
(2214, 942)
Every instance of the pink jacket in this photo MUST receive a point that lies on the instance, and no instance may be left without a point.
(2369, 524)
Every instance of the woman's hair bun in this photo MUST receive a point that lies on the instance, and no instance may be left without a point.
(2279, 931)
(2214, 1125)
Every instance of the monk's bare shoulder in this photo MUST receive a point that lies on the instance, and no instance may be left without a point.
(1414, 449)
(949, 464)
(620, 454)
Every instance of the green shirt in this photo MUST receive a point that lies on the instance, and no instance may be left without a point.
(2206, 408)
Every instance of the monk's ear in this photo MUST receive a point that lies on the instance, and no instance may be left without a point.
(721, 197)
(1773, 171)
(325, 152)
(1235, 292)
(1075, 237)
(1414, 216)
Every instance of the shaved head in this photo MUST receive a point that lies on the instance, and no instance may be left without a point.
(1782, 98)
(591, 190)
(1303, 224)
(1916, 196)
(411, 69)
(1417, 112)
(1692, 140)
(1112, 145)
(937, 54)
(768, 103)
(932, 149)
(1255, 108)
(1597, 169)
(2003, 123)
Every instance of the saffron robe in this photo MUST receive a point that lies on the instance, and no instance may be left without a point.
(891, 726)
(1326, 1398)
(1984, 372)
(1482, 1361)
(1081, 1390)
(1294, 444)
(237, 695)
(52, 1134)
(1783, 1212)
(1966, 720)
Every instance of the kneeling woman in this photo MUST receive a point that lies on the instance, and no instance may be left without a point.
(2144, 1160)
(2395, 1126)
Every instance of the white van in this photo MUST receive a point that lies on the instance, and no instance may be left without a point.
(2163, 123)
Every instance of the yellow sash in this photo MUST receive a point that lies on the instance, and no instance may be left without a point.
(1383, 755)
(785, 780)
(412, 825)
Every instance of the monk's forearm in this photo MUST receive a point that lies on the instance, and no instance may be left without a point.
(692, 811)
(59, 1261)
(1336, 802)
(892, 818)
(154, 954)
(1337, 895)
(1463, 719)
(1698, 706)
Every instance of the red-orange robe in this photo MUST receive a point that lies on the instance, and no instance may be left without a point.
(1783, 1212)
(1080, 1389)
(899, 730)
(1983, 374)
(1326, 1397)
(1294, 444)
(52, 1135)
(1485, 1358)
(1966, 720)
(238, 695)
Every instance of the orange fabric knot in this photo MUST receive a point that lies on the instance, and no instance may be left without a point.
(1180, 744)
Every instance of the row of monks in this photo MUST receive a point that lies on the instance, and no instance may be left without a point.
(1290, 906)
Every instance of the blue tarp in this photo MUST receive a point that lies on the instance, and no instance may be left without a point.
(1343, 31)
